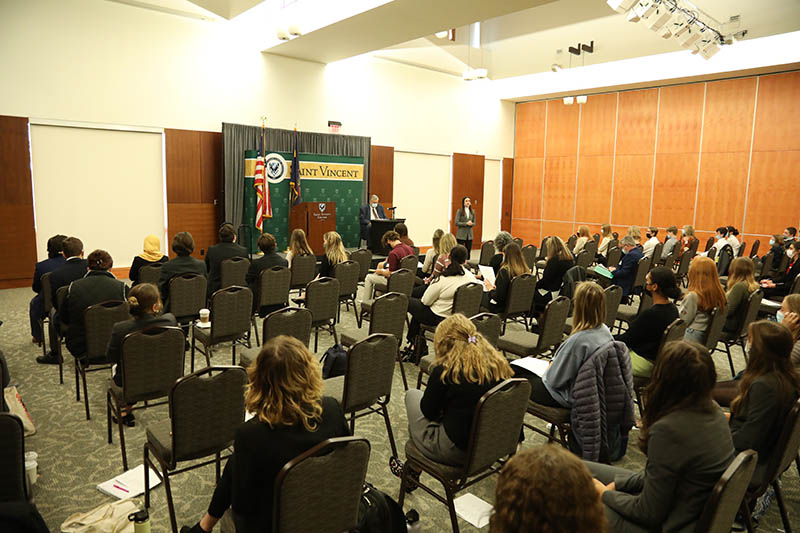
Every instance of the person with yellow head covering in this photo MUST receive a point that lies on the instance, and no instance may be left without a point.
(150, 255)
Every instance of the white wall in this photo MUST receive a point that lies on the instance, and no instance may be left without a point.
(99, 61)
(492, 191)
(423, 204)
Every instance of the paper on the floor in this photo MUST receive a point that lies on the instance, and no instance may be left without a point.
(473, 509)
(129, 484)
(532, 364)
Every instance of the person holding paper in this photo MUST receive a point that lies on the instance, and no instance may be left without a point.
(559, 260)
(398, 251)
(513, 265)
(625, 273)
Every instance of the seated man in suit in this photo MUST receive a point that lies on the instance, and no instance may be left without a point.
(54, 260)
(73, 268)
(183, 246)
(267, 244)
(369, 212)
(625, 273)
(226, 249)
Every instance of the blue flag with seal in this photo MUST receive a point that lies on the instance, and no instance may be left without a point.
(294, 184)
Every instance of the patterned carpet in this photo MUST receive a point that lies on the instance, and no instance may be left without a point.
(74, 455)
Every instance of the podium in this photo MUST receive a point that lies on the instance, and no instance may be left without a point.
(377, 228)
(316, 219)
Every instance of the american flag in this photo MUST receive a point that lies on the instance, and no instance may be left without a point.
(264, 205)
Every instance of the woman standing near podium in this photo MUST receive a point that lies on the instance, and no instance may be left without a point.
(465, 220)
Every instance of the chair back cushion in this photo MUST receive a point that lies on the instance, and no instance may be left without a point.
(467, 299)
(591, 249)
(641, 273)
(347, 272)
(520, 294)
(786, 449)
(402, 281)
(613, 256)
(389, 315)
(273, 286)
(187, 295)
(100, 319)
(613, 299)
(150, 273)
(674, 332)
(751, 311)
(714, 329)
(551, 327)
(529, 253)
(233, 271)
(370, 370)
(304, 268)
(363, 258)
(292, 321)
(152, 361)
(726, 496)
(754, 249)
(487, 252)
(489, 325)
(322, 299)
(231, 309)
(47, 294)
(410, 263)
(12, 459)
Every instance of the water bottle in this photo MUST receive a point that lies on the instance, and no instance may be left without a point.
(141, 521)
(412, 522)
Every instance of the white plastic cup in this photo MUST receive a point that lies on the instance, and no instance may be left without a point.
(31, 467)
(31, 456)
(205, 314)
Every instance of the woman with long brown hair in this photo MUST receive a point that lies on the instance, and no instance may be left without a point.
(605, 238)
(704, 294)
(559, 260)
(284, 393)
(583, 238)
(741, 284)
(298, 245)
(433, 252)
(688, 446)
(513, 265)
(789, 316)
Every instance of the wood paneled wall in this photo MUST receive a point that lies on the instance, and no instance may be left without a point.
(706, 154)
(18, 238)
(507, 194)
(381, 174)
(468, 172)
(194, 182)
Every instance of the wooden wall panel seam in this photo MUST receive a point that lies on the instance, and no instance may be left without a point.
(614, 162)
(577, 168)
(655, 158)
(750, 161)
(700, 156)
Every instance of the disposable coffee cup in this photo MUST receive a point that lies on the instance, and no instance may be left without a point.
(31, 456)
(205, 314)
(31, 471)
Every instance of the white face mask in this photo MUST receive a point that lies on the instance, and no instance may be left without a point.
(718, 237)
(373, 205)
(772, 242)
(789, 253)
(779, 316)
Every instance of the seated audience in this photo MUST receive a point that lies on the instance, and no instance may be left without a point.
(184, 263)
(733, 240)
(398, 251)
(559, 260)
(226, 249)
(670, 245)
(432, 253)
(789, 235)
(291, 416)
(789, 316)
(583, 237)
(651, 243)
(267, 244)
(74, 268)
(298, 245)
(703, 294)
(643, 336)
(688, 446)
(500, 242)
(688, 239)
(465, 368)
(446, 244)
(636, 233)
(437, 302)
(605, 239)
(36, 308)
(781, 284)
(741, 284)
(513, 265)
(145, 307)
(720, 241)
(402, 230)
(546, 488)
(334, 254)
(625, 274)
(778, 248)
(768, 389)
(97, 286)
(151, 255)
(589, 333)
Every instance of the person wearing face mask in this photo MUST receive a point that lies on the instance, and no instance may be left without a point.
(625, 273)
(369, 212)
(720, 240)
(781, 284)
(776, 246)
(651, 243)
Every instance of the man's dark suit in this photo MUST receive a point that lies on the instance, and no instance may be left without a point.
(183, 264)
(36, 307)
(365, 215)
(262, 263)
(74, 268)
(215, 256)
(122, 329)
(96, 287)
(626, 271)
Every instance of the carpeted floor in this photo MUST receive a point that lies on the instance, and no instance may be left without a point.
(74, 455)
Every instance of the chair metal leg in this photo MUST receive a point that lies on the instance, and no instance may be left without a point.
(85, 394)
(233, 353)
(389, 431)
(108, 414)
(402, 370)
(77, 382)
(192, 364)
(403, 483)
(255, 329)
(744, 510)
(316, 339)
(60, 369)
(730, 359)
(170, 503)
(218, 465)
(787, 526)
(122, 447)
(146, 477)
(451, 507)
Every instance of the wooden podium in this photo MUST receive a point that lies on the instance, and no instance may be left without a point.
(316, 219)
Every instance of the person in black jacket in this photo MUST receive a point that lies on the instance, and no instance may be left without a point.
(267, 244)
(97, 286)
(513, 265)
(144, 305)
(643, 336)
(226, 249)
(781, 284)
(54, 260)
(500, 242)
(151, 255)
(183, 246)
(625, 273)
(559, 260)
(291, 417)
(74, 268)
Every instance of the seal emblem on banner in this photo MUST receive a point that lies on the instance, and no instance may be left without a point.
(275, 167)
(322, 207)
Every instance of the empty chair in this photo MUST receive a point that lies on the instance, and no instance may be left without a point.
(551, 332)
(642, 268)
(613, 300)
(291, 321)
(401, 281)
(152, 361)
(322, 299)
(233, 271)
(13, 481)
(347, 273)
(656, 257)
(304, 500)
(487, 252)
(272, 292)
(99, 320)
(518, 240)
(366, 386)
(742, 247)
(529, 253)
(230, 322)
(150, 273)
(187, 295)
(683, 268)
(363, 257)
(304, 268)
(727, 495)
(571, 241)
(754, 249)
(669, 261)
(196, 404)
(519, 299)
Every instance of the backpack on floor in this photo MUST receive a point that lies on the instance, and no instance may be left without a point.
(334, 362)
(379, 513)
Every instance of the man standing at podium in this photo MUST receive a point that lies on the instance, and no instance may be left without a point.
(369, 212)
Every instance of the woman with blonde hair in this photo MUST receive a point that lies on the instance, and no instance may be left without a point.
(284, 393)
(605, 238)
(465, 368)
(513, 265)
(446, 244)
(433, 252)
(151, 255)
(546, 488)
(559, 260)
(334, 254)
(636, 233)
(298, 245)
(583, 238)
(741, 284)
(589, 333)
(703, 294)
